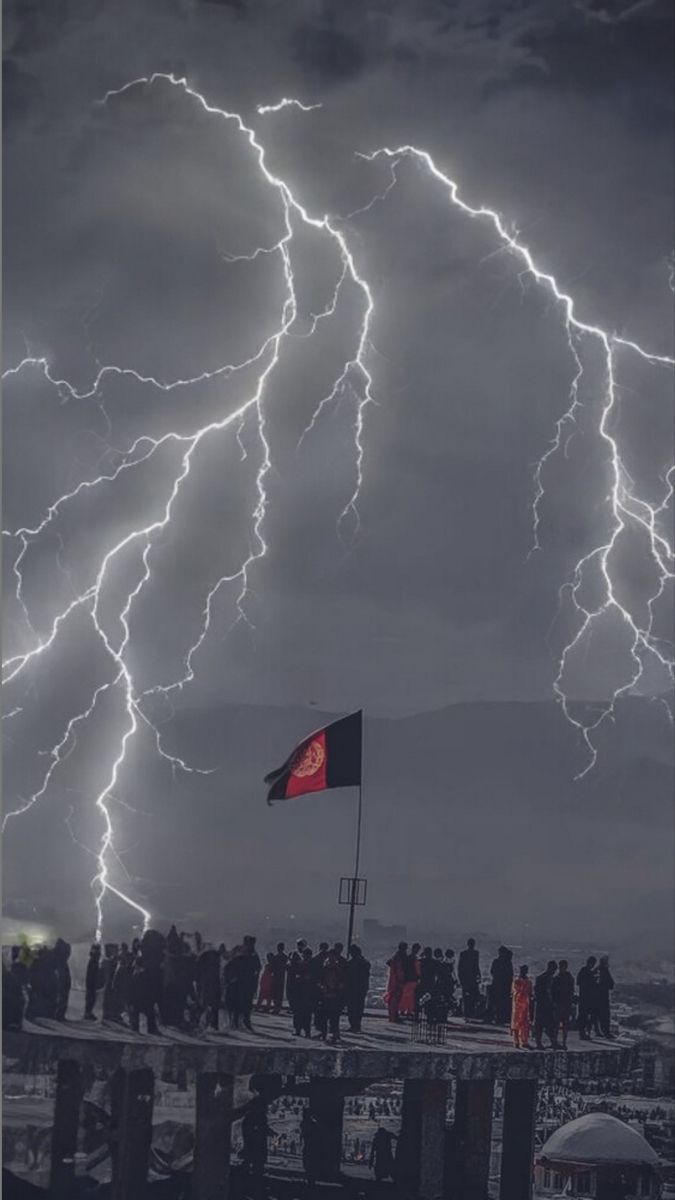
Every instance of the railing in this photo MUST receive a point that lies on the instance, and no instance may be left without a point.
(427, 1032)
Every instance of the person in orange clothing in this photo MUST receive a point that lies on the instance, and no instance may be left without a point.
(521, 1010)
(394, 992)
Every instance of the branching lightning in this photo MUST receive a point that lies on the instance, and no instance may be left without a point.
(627, 510)
(266, 359)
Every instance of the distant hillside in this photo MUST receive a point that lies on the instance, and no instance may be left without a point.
(472, 819)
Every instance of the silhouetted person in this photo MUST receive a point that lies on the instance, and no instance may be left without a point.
(394, 993)
(92, 981)
(294, 961)
(173, 999)
(521, 1009)
(61, 954)
(121, 984)
(207, 978)
(111, 1008)
(544, 1020)
(453, 983)
(411, 978)
(173, 941)
(42, 985)
(320, 1013)
(562, 993)
(381, 1159)
(428, 971)
(433, 986)
(304, 994)
(266, 984)
(604, 986)
(357, 980)
(469, 978)
(12, 1000)
(241, 975)
(501, 972)
(279, 966)
(312, 1147)
(254, 1132)
(586, 983)
(146, 981)
(332, 990)
(19, 967)
(443, 979)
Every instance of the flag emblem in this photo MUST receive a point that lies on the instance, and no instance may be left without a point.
(308, 760)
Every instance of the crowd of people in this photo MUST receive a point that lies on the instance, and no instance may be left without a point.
(429, 982)
(182, 982)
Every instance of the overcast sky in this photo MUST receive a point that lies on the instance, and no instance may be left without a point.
(120, 223)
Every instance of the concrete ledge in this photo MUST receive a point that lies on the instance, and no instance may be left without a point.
(380, 1052)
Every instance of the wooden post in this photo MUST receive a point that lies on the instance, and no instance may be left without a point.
(472, 1138)
(420, 1153)
(520, 1103)
(69, 1092)
(133, 1095)
(213, 1129)
(326, 1106)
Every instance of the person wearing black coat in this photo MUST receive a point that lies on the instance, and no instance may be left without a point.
(304, 994)
(207, 972)
(604, 986)
(501, 973)
(332, 993)
(443, 977)
(12, 1000)
(61, 955)
(43, 985)
(544, 1019)
(111, 1006)
(562, 993)
(357, 979)
(241, 977)
(146, 981)
(468, 970)
(586, 986)
(317, 965)
(92, 981)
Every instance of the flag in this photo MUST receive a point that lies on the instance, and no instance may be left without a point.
(328, 758)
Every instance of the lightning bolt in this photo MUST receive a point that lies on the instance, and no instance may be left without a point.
(627, 509)
(264, 109)
(145, 448)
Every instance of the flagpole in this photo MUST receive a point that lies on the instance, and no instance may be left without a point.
(357, 856)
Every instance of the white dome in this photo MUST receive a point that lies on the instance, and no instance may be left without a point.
(598, 1138)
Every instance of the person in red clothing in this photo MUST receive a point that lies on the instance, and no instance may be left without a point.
(411, 976)
(266, 990)
(522, 994)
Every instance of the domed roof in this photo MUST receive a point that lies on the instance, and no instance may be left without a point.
(598, 1138)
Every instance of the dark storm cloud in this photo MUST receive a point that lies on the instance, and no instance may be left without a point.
(119, 221)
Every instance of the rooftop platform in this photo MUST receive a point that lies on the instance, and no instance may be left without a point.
(381, 1051)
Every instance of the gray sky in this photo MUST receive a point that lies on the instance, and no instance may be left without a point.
(432, 615)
